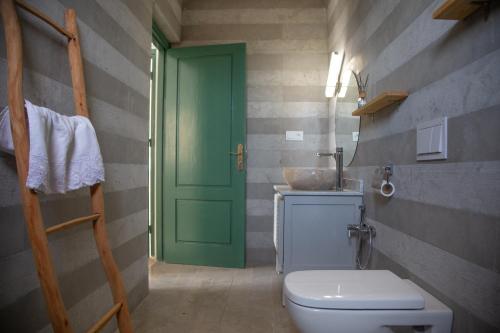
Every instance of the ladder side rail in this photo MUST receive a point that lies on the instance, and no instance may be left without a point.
(35, 12)
(96, 191)
(31, 205)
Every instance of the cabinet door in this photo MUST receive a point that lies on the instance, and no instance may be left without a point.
(315, 232)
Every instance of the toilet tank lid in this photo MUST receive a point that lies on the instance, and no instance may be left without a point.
(352, 289)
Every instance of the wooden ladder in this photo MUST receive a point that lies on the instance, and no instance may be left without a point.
(31, 205)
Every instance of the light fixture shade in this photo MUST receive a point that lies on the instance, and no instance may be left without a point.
(345, 80)
(336, 60)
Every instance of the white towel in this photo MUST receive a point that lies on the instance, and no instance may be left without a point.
(64, 153)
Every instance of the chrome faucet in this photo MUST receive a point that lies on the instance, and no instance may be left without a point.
(362, 227)
(353, 229)
(339, 165)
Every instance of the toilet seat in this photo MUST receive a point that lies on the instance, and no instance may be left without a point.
(352, 290)
(361, 301)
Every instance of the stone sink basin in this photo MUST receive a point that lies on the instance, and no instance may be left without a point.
(310, 179)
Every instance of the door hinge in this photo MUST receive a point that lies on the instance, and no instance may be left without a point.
(150, 229)
(150, 142)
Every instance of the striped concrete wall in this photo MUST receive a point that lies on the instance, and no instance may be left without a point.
(167, 14)
(286, 72)
(442, 228)
(115, 38)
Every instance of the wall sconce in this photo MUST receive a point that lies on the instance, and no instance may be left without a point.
(333, 84)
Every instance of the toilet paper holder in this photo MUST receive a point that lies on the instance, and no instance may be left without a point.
(388, 170)
(387, 188)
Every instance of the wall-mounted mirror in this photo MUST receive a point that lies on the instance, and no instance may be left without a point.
(347, 125)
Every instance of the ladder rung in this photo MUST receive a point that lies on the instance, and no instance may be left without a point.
(71, 223)
(104, 320)
(32, 10)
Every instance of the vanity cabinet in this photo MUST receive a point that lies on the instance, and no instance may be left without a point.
(310, 229)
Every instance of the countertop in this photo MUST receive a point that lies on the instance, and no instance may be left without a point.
(287, 190)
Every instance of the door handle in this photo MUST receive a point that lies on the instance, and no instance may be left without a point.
(239, 157)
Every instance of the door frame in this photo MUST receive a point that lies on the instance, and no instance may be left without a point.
(156, 123)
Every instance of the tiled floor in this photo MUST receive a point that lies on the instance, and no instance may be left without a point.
(206, 299)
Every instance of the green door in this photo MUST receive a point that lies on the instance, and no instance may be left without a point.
(203, 183)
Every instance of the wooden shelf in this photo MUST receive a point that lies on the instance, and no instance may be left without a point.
(455, 10)
(381, 101)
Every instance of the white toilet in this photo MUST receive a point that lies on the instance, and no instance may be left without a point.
(355, 301)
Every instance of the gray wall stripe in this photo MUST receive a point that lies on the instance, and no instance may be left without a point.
(254, 16)
(446, 54)
(142, 10)
(341, 23)
(165, 18)
(264, 61)
(278, 142)
(451, 179)
(99, 83)
(260, 191)
(453, 230)
(85, 312)
(264, 158)
(394, 24)
(119, 177)
(277, 78)
(465, 134)
(136, 295)
(468, 89)
(286, 94)
(312, 125)
(129, 22)
(259, 207)
(118, 204)
(103, 55)
(340, 11)
(88, 277)
(258, 256)
(254, 4)
(259, 240)
(380, 10)
(304, 32)
(463, 322)
(354, 21)
(470, 285)
(232, 32)
(103, 24)
(265, 175)
(107, 88)
(313, 46)
(412, 182)
(287, 61)
(104, 116)
(253, 32)
(66, 257)
(131, 151)
(260, 224)
(103, 86)
(287, 109)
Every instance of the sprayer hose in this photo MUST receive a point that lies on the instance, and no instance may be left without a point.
(359, 250)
